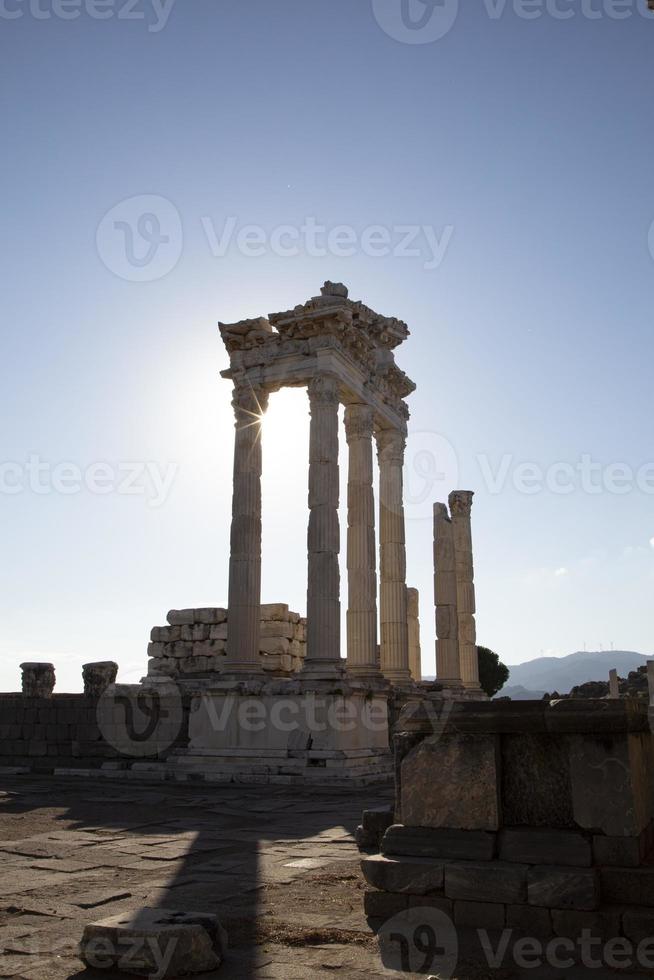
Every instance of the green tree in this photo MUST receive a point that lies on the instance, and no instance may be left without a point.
(493, 674)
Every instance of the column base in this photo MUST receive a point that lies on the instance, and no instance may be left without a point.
(317, 670)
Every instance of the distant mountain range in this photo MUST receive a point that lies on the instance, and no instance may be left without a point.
(561, 674)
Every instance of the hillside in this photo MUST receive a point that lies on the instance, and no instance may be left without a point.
(563, 673)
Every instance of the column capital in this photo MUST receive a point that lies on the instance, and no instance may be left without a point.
(249, 402)
(460, 502)
(391, 444)
(323, 389)
(359, 421)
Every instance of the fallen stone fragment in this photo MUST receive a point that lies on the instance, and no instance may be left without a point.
(156, 943)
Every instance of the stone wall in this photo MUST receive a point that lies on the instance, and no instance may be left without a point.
(540, 818)
(194, 643)
(60, 731)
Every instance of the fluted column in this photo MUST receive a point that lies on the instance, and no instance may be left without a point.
(448, 669)
(243, 614)
(460, 507)
(361, 559)
(392, 606)
(413, 623)
(323, 540)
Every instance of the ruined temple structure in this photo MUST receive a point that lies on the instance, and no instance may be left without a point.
(267, 694)
(321, 716)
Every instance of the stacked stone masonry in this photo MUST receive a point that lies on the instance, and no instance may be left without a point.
(194, 643)
(541, 820)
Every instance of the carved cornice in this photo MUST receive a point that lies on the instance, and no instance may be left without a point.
(329, 320)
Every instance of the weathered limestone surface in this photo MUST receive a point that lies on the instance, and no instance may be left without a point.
(199, 646)
(155, 942)
(460, 502)
(98, 676)
(448, 669)
(467, 766)
(412, 876)
(323, 540)
(38, 679)
(361, 557)
(249, 404)
(413, 623)
(392, 607)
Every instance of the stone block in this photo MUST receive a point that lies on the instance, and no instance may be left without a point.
(638, 924)
(628, 886)
(479, 915)
(620, 852)
(277, 645)
(407, 875)
(528, 920)
(181, 617)
(439, 843)
(432, 902)
(465, 795)
(559, 847)
(569, 923)
(383, 905)
(210, 617)
(274, 628)
(487, 881)
(274, 610)
(155, 942)
(218, 632)
(563, 888)
(377, 820)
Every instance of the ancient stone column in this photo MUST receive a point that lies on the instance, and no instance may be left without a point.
(323, 539)
(392, 605)
(361, 557)
(98, 676)
(413, 625)
(448, 670)
(38, 680)
(243, 614)
(460, 502)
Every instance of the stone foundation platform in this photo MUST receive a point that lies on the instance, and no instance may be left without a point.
(537, 817)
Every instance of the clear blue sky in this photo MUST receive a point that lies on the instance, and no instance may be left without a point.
(524, 146)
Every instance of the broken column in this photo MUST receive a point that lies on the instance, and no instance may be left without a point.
(243, 637)
(392, 606)
(323, 540)
(448, 670)
(98, 676)
(38, 680)
(460, 507)
(413, 625)
(361, 558)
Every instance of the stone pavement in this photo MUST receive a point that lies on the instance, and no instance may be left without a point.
(279, 867)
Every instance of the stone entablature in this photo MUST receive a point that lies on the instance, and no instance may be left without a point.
(330, 333)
